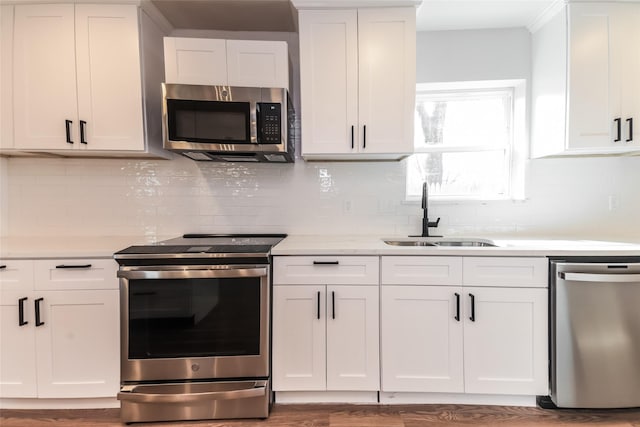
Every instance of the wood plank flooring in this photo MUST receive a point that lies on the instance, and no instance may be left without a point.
(350, 416)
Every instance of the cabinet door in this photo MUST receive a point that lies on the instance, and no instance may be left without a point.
(109, 77)
(329, 81)
(387, 79)
(195, 61)
(629, 54)
(604, 63)
(44, 76)
(505, 345)
(299, 338)
(17, 346)
(78, 345)
(353, 338)
(257, 63)
(421, 339)
(6, 76)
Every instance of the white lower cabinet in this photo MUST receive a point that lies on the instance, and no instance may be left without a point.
(61, 343)
(476, 336)
(421, 339)
(325, 336)
(505, 345)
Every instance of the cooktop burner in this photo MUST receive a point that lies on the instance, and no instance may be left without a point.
(199, 247)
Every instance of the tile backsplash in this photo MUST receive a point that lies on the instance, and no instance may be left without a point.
(122, 197)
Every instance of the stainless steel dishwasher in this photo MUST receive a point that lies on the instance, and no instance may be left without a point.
(595, 332)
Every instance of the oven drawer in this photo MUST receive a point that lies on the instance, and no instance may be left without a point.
(76, 273)
(325, 270)
(194, 401)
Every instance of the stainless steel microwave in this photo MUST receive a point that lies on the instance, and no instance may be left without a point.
(227, 123)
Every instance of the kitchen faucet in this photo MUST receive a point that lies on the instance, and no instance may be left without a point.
(425, 218)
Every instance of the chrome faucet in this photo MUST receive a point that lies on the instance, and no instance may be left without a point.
(425, 218)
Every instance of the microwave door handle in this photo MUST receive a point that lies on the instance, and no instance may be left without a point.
(192, 274)
(129, 394)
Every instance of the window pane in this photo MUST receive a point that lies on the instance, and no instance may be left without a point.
(463, 119)
(482, 174)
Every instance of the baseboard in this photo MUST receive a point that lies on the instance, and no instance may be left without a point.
(326, 397)
(95, 403)
(454, 398)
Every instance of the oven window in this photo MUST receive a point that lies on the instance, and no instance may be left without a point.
(208, 121)
(194, 318)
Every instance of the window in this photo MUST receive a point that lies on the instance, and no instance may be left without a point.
(468, 141)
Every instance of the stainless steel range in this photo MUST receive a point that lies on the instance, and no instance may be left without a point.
(195, 328)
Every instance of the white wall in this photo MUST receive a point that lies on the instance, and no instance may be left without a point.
(94, 197)
(447, 56)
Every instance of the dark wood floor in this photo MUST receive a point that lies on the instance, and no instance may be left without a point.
(349, 416)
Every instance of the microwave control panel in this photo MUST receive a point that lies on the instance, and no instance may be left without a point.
(269, 115)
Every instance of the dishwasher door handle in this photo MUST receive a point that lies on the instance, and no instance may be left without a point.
(603, 278)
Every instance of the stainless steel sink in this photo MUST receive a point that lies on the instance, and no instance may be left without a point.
(409, 243)
(443, 242)
(477, 243)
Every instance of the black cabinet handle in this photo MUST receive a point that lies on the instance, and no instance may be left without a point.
(618, 129)
(21, 321)
(38, 320)
(457, 316)
(2, 267)
(364, 136)
(333, 305)
(318, 316)
(352, 136)
(326, 262)
(74, 266)
(82, 125)
(630, 121)
(67, 124)
(473, 308)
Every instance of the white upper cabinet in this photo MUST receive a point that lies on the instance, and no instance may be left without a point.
(195, 61)
(258, 63)
(45, 102)
(357, 77)
(604, 76)
(586, 81)
(250, 63)
(77, 79)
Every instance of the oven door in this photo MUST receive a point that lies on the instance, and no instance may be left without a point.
(194, 322)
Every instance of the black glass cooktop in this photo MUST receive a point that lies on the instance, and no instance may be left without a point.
(205, 246)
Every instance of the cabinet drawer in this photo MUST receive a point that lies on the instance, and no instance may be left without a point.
(421, 270)
(325, 270)
(76, 273)
(16, 275)
(505, 271)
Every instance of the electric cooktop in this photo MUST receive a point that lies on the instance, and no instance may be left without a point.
(202, 247)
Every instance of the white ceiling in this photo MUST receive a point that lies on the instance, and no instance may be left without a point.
(438, 15)
(279, 15)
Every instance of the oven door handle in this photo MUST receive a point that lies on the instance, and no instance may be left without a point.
(130, 394)
(192, 274)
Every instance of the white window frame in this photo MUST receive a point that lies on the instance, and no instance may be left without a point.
(517, 147)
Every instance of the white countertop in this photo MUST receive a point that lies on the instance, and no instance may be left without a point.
(374, 245)
(100, 247)
(69, 247)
